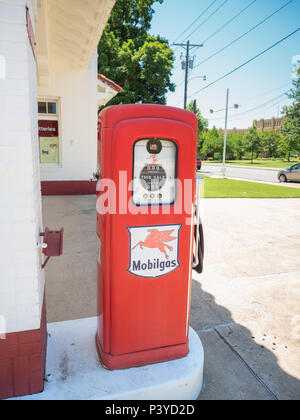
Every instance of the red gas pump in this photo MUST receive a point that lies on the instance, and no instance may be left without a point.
(145, 227)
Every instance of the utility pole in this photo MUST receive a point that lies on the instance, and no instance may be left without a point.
(235, 106)
(195, 107)
(225, 135)
(188, 65)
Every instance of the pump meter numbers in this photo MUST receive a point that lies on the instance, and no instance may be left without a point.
(153, 177)
(154, 172)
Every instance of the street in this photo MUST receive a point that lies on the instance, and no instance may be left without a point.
(242, 172)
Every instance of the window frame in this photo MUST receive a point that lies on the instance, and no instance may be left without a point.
(51, 117)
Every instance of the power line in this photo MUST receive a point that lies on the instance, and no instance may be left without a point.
(206, 20)
(211, 4)
(265, 109)
(229, 21)
(222, 27)
(195, 20)
(240, 37)
(253, 98)
(247, 62)
(267, 93)
(223, 4)
(244, 34)
(255, 108)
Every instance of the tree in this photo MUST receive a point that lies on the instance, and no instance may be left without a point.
(137, 61)
(202, 122)
(236, 142)
(212, 145)
(291, 122)
(253, 142)
(270, 142)
(202, 125)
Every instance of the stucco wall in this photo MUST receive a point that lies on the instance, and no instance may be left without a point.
(77, 91)
(21, 277)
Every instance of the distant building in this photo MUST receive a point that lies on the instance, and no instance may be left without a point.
(234, 130)
(274, 124)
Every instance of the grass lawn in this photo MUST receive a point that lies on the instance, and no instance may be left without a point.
(258, 163)
(228, 188)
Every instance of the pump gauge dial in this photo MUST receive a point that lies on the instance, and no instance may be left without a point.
(153, 177)
(154, 169)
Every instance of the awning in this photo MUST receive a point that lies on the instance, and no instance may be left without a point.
(69, 30)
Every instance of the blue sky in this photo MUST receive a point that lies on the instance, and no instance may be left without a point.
(260, 83)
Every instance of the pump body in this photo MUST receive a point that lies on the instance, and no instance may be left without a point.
(145, 210)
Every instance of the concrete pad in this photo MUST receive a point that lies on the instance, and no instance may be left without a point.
(71, 280)
(251, 237)
(271, 353)
(76, 373)
(225, 378)
(249, 291)
(250, 284)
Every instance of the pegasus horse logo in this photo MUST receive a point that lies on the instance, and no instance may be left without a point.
(157, 239)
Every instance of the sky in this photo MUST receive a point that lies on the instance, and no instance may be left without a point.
(257, 86)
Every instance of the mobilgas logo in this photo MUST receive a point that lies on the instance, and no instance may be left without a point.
(153, 250)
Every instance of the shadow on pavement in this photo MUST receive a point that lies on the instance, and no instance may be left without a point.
(236, 367)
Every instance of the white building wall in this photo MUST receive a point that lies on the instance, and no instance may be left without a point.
(77, 91)
(21, 278)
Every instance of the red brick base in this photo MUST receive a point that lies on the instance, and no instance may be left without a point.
(22, 362)
(68, 187)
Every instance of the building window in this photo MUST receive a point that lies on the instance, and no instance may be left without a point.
(49, 132)
(42, 107)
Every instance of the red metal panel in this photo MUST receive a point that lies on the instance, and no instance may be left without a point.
(142, 320)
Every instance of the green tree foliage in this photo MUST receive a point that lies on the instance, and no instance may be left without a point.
(291, 125)
(202, 122)
(244, 145)
(202, 125)
(212, 144)
(129, 56)
(237, 143)
(253, 143)
(270, 141)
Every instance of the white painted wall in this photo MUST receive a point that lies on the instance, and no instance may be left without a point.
(77, 91)
(21, 278)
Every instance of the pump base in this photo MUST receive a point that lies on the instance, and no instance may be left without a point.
(74, 373)
(141, 358)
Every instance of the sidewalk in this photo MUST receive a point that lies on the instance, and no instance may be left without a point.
(245, 306)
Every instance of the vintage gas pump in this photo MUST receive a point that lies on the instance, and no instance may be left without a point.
(146, 228)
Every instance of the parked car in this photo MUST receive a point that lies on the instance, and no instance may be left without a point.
(290, 174)
(199, 163)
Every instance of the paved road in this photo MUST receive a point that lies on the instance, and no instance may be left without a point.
(265, 175)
